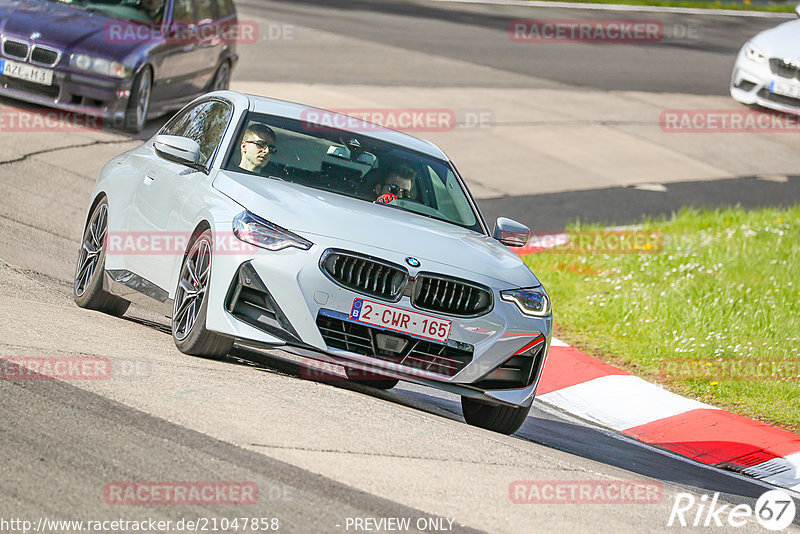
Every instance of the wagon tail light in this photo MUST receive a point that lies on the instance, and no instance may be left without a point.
(260, 232)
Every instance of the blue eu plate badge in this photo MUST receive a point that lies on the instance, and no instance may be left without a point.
(355, 313)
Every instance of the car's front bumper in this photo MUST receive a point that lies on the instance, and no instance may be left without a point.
(305, 297)
(79, 93)
(751, 84)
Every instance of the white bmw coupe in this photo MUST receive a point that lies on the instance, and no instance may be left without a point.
(247, 222)
(767, 69)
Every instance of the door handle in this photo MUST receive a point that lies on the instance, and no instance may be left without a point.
(150, 177)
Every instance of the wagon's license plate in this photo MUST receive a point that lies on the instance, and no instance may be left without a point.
(27, 72)
(785, 89)
(407, 322)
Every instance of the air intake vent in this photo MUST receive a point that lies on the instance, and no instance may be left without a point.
(442, 294)
(364, 274)
(15, 49)
(250, 301)
(783, 68)
(341, 333)
(46, 57)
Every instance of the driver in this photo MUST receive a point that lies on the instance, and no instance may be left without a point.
(397, 182)
(257, 147)
(153, 8)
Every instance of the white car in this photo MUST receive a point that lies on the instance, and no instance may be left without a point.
(307, 251)
(767, 69)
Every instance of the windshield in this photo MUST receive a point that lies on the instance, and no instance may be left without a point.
(147, 11)
(353, 165)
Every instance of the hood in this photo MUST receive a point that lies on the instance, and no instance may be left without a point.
(782, 41)
(65, 28)
(312, 212)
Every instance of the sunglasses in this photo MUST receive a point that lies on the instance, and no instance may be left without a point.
(262, 145)
(399, 191)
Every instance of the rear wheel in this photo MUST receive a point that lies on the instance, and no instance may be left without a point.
(368, 378)
(88, 287)
(502, 419)
(191, 304)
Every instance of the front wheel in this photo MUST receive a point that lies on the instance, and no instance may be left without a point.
(222, 78)
(87, 290)
(139, 104)
(191, 304)
(502, 419)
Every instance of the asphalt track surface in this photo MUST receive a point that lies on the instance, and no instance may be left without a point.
(628, 205)
(320, 452)
(477, 34)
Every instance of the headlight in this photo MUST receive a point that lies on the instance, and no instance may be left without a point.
(754, 54)
(99, 65)
(530, 301)
(253, 229)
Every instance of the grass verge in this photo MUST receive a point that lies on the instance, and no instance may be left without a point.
(712, 312)
(744, 5)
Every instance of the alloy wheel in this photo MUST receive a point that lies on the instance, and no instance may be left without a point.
(91, 249)
(192, 287)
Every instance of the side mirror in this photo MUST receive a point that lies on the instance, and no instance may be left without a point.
(511, 233)
(178, 149)
(797, 10)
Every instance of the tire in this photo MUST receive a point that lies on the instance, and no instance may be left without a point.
(191, 304)
(222, 78)
(354, 375)
(87, 289)
(139, 103)
(502, 419)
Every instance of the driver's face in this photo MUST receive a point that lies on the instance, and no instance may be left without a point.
(402, 187)
(255, 152)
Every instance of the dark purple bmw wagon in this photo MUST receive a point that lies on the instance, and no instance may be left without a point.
(122, 60)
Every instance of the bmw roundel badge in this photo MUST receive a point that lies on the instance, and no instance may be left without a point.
(414, 262)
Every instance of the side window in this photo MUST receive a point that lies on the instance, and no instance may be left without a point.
(205, 123)
(205, 10)
(182, 12)
(177, 125)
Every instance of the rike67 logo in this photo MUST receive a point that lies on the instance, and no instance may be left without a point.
(774, 510)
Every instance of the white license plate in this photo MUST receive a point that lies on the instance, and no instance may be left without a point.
(23, 71)
(407, 322)
(785, 89)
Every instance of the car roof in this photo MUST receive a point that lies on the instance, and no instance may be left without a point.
(292, 110)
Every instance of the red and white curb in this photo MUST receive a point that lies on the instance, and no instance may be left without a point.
(596, 391)
(601, 393)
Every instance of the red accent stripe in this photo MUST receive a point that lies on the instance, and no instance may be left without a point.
(530, 345)
(717, 436)
(567, 366)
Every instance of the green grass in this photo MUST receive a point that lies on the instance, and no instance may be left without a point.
(699, 315)
(747, 5)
